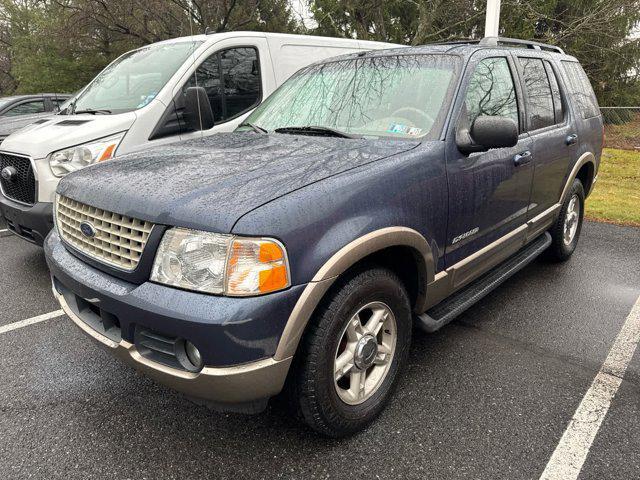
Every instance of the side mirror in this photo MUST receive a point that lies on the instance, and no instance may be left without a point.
(488, 132)
(197, 110)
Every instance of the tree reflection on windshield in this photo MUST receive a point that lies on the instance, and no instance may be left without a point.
(391, 95)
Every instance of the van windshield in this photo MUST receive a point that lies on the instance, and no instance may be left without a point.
(399, 96)
(134, 79)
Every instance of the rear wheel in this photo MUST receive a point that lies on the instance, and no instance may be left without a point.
(566, 231)
(353, 352)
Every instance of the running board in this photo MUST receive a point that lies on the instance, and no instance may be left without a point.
(447, 310)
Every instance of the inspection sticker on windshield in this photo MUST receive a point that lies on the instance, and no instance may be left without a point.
(404, 129)
(147, 99)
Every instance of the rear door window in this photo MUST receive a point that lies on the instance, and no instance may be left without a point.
(558, 104)
(538, 94)
(491, 91)
(57, 103)
(36, 106)
(581, 89)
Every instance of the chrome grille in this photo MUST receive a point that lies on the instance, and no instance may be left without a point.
(118, 241)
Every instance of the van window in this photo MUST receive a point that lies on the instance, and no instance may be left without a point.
(538, 93)
(581, 89)
(491, 91)
(232, 81)
(36, 106)
(558, 106)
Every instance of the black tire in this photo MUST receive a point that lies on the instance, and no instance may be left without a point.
(559, 250)
(312, 389)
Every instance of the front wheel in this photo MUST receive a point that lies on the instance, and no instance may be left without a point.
(566, 231)
(353, 353)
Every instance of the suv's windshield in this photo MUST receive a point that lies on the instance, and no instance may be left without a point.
(134, 79)
(400, 96)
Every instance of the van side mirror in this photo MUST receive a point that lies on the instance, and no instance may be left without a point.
(488, 132)
(198, 114)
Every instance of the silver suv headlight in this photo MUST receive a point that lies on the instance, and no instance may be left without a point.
(71, 159)
(221, 264)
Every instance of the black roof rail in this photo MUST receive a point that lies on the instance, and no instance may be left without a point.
(495, 41)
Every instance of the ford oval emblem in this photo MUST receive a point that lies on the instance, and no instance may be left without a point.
(88, 230)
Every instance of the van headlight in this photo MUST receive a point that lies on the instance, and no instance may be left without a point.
(220, 264)
(71, 159)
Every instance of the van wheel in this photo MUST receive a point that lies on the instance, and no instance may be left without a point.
(566, 231)
(353, 352)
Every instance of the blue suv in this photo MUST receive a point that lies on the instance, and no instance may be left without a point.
(370, 193)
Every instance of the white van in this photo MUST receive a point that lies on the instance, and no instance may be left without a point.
(146, 97)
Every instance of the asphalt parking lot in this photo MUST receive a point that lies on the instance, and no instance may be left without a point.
(489, 396)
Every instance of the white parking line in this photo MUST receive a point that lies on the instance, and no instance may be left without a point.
(570, 454)
(30, 321)
(4, 230)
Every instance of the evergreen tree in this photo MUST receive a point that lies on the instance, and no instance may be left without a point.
(60, 45)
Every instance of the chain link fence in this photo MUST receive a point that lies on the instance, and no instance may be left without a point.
(622, 127)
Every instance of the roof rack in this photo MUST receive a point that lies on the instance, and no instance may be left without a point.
(462, 41)
(495, 41)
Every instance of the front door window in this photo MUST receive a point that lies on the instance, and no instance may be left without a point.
(232, 80)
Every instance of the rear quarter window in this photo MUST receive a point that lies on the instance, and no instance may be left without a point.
(581, 90)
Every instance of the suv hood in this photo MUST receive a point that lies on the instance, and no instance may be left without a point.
(209, 183)
(62, 131)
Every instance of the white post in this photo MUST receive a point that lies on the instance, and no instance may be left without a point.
(492, 23)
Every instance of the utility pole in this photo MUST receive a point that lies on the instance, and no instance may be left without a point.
(492, 23)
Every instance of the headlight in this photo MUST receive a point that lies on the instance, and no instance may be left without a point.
(220, 264)
(71, 159)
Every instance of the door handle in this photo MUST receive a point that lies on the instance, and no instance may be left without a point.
(571, 139)
(522, 158)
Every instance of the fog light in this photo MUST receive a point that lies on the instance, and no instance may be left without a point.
(193, 354)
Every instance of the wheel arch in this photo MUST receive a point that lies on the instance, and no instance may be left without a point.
(400, 241)
(585, 170)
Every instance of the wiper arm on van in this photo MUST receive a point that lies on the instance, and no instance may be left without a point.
(93, 112)
(314, 130)
(254, 127)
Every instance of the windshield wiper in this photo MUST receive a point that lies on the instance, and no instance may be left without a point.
(101, 111)
(315, 130)
(254, 127)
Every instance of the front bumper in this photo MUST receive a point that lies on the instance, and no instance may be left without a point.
(236, 336)
(32, 223)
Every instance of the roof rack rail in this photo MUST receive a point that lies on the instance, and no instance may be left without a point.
(495, 41)
(462, 41)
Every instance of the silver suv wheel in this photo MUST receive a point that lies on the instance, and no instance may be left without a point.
(365, 353)
(571, 220)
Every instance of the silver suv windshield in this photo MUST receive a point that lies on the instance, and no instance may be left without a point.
(398, 96)
(134, 79)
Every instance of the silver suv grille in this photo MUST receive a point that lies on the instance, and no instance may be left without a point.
(117, 240)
